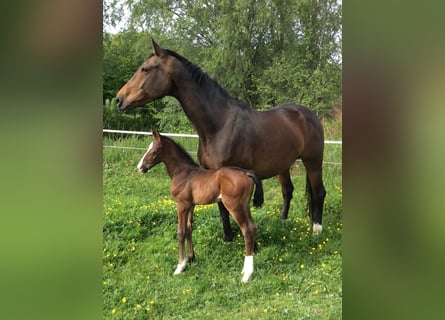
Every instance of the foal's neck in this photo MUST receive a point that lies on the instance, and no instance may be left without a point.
(177, 161)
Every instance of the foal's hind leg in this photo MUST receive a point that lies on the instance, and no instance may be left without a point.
(249, 234)
(241, 215)
(286, 189)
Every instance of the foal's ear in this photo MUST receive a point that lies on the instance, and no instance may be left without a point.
(156, 135)
(156, 48)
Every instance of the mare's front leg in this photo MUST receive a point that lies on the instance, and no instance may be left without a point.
(204, 159)
(224, 214)
(286, 189)
(183, 213)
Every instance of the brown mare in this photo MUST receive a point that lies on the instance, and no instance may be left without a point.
(193, 185)
(233, 134)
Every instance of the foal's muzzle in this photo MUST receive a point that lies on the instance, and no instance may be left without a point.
(143, 169)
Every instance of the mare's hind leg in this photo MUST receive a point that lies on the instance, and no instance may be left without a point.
(224, 214)
(286, 189)
(316, 192)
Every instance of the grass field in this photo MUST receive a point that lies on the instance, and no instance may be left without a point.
(297, 275)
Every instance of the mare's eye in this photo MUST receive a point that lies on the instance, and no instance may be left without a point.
(155, 154)
(145, 70)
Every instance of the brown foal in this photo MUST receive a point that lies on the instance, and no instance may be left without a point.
(192, 185)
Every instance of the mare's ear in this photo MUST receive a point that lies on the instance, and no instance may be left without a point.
(156, 135)
(156, 48)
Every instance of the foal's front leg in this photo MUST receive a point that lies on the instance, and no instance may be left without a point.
(188, 234)
(183, 218)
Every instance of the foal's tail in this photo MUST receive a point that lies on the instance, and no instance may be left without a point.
(258, 196)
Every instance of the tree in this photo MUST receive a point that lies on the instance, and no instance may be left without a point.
(308, 68)
(264, 52)
(122, 54)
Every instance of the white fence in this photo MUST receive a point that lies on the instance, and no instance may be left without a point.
(181, 135)
(186, 136)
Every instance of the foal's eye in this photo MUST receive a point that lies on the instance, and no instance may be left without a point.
(145, 70)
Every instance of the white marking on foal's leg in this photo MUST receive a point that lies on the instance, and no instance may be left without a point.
(247, 269)
(180, 267)
(317, 228)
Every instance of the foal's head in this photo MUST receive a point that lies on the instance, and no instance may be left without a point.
(153, 155)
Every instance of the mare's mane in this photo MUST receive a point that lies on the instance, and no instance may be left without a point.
(207, 83)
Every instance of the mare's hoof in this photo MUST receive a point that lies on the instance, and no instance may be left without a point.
(316, 228)
(228, 237)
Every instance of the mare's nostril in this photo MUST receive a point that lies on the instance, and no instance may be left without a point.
(118, 101)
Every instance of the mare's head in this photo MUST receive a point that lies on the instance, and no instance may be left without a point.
(154, 154)
(151, 81)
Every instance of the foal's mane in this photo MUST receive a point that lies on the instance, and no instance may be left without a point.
(187, 157)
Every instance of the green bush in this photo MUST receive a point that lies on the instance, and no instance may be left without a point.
(165, 115)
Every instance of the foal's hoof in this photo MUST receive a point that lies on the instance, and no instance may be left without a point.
(246, 277)
(180, 267)
(247, 269)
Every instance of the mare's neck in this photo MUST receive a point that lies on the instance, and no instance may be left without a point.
(207, 106)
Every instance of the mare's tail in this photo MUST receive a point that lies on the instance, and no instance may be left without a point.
(258, 196)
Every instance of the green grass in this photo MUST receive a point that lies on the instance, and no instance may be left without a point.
(297, 275)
